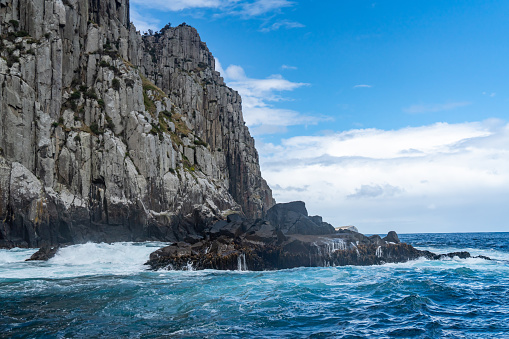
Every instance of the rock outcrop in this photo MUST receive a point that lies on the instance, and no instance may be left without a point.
(107, 135)
(44, 253)
(285, 238)
(349, 228)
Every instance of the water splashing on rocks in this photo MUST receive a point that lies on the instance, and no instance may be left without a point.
(241, 262)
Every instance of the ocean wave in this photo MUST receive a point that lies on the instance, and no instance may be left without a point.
(79, 260)
(15, 255)
(104, 290)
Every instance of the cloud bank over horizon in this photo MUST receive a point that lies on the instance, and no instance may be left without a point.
(435, 178)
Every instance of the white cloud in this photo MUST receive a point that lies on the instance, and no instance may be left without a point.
(258, 115)
(282, 24)
(233, 7)
(436, 178)
(219, 67)
(260, 88)
(375, 191)
(178, 5)
(433, 108)
(260, 7)
(143, 22)
(362, 86)
(258, 96)
(288, 67)
(265, 10)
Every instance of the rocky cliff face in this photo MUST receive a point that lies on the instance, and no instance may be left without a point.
(106, 135)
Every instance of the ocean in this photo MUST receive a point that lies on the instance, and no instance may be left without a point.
(104, 290)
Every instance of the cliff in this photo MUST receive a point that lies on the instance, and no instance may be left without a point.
(106, 135)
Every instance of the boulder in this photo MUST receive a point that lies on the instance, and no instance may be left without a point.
(348, 228)
(392, 237)
(292, 218)
(44, 253)
(262, 232)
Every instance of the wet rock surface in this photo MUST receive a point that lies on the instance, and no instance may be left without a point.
(285, 238)
(44, 253)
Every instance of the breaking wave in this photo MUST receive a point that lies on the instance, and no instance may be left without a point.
(95, 290)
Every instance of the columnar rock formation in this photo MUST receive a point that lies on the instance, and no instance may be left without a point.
(106, 135)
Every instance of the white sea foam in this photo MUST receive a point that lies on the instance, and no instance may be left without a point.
(15, 255)
(492, 253)
(128, 258)
(190, 267)
(79, 260)
(498, 263)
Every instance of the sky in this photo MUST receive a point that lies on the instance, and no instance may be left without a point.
(386, 115)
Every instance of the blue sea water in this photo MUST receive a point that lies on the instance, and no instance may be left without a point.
(103, 290)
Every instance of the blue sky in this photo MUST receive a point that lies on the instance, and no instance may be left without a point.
(382, 114)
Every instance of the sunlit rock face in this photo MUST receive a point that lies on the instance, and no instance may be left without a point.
(107, 135)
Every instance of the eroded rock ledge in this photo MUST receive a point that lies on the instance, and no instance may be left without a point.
(285, 238)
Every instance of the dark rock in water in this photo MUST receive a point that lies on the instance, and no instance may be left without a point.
(44, 253)
(286, 238)
(225, 253)
(461, 255)
(483, 257)
(392, 237)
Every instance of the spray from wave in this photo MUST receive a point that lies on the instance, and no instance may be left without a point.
(79, 260)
